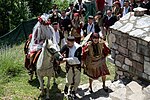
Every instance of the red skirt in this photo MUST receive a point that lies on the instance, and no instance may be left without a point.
(100, 4)
(96, 69)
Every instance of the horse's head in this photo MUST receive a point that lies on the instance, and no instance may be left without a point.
(52, 49)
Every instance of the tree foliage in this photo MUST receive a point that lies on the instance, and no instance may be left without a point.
(14, 12)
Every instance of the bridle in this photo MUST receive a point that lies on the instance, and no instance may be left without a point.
(53, 52)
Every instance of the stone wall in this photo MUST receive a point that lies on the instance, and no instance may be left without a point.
(130, 46)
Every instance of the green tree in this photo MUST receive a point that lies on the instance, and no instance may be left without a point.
(62, 4)
(38, 7)
(12, 13)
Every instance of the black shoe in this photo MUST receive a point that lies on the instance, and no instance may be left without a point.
(66, 90)
(90, 90)
(58, 70)
(74, 95)
(105, 88)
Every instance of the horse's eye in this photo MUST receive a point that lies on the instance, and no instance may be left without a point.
(52, 51)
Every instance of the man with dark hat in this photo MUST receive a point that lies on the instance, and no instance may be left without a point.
(91, 26)
(70, 11)
(72, 51)
(54, 14)
(126, 8)
(108, 21)
(81, 8)
(65, 23)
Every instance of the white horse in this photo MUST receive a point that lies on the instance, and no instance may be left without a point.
(45, 66)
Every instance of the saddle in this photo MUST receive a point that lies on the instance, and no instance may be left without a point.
(28, 65)
(36, 56)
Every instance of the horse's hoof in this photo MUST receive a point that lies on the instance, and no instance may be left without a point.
(48, 98)
(42, 95)
(54, 83)
(29, 81)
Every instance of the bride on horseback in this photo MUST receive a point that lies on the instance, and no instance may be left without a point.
(41, 32)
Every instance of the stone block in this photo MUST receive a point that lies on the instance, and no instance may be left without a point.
(144, 50)
(138, 66)
(147, 67)
(125, 67)
(136, 56)
(118, 38)
(135, 78)
(134, 38)
(115, 46)
(114, 31)
(124, 40)
(123, 50)
(119, 72)
(145, 76)
(117, 52)
(132, 70)
(113, 53)
(133, 87)
(126, 74)
(116, 85)
(122, 77)
(137, 96)
(142, 42)
(118, 63)
(119, 94)
(112, 39)
(146, 58)
(120, 58)
(146, 91)
(132, 45)
(128, 62)
(139, 73)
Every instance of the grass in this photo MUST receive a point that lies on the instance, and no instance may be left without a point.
(14, 77)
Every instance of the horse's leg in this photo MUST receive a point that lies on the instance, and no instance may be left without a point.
(47, 89)
(54, 78)
(41, 85)
(36, 74)
(30, 75)
(31, 66)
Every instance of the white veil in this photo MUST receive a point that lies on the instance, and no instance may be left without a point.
(41, 33)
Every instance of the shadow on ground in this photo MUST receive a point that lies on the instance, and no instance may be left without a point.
(61, 74)
(94, 95)
(55, 93)
(35, 83)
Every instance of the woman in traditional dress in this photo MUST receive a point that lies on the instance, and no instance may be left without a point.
(96, 60)
(76, 27)
(117, 10)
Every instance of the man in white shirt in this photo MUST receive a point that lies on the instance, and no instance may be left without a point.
(91, 26)
(81, 8)
(59, 36)
(72, 51)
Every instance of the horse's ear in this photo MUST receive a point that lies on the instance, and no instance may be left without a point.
(46, 41)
